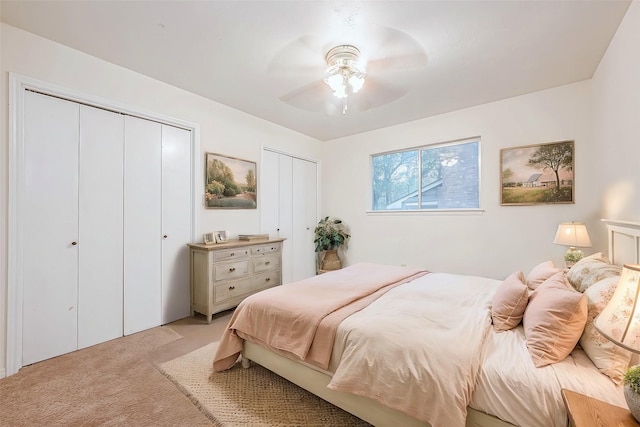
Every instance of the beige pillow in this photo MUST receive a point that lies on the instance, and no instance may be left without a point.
(611, 359)
(554, 320)
(509, 302)
(540, 273)
(590, 270)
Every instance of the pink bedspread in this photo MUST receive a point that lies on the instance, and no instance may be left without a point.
(289, 318)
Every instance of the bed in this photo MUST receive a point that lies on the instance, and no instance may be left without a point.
(464, 372)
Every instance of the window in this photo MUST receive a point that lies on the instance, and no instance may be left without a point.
(448, 176)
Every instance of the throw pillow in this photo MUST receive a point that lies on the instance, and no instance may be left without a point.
(509, 302)
(540, 273)
(590, 270)
(611, 359)
(554, 320)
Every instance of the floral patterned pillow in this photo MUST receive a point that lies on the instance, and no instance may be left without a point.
(590, 270)
(611, 359)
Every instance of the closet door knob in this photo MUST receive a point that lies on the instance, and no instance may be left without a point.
(74, 243)
(164, 237)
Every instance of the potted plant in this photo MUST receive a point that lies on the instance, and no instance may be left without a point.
(632, 391)
(329, 235)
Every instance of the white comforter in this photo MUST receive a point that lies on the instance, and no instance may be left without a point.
(449, 315)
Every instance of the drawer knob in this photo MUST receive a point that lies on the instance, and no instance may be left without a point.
(267, 263)
(232, 254)
(268, 278)
(232, 269)
(231, 288)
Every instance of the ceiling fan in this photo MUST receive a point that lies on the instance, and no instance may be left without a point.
(361, 73)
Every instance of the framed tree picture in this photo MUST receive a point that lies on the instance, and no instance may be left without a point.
(230, 183)
(537, 174)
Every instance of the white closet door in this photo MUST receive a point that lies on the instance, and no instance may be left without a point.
(142, 225)
(49, 220)
(176, 222)
(285, 215)
(100, 226)
(269, 194)
(304, 201)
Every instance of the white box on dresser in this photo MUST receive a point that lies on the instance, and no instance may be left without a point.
(223, 274)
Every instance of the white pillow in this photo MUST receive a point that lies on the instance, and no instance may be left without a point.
(590, 270)
(611, 359)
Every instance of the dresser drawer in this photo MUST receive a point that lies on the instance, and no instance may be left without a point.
(230, 270)
(265, 280)
(266, 249)
(265, 263)
(230, 290)
(230, 254)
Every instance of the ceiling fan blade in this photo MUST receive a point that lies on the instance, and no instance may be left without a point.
(375, 94)
(301, 55)
(391, 48)
(398, 62)
(311, 97)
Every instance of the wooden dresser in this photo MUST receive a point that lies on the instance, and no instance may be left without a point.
(223, 274)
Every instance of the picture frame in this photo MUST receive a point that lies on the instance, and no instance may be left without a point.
(230, 183)
(209, 238)
(537, 174)
(221, 236)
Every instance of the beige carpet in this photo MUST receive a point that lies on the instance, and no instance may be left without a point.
(110, 384)
(250, 397)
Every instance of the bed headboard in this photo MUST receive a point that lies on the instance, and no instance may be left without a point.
(624, 241)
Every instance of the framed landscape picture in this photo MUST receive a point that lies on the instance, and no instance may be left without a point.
(537, 174)
(230, 183)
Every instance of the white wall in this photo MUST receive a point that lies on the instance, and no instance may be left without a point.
(602, 115)
(222, 129)
(616, 111)
(501, 240)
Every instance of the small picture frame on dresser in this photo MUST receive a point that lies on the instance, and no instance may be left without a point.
(209, 238)
(221, 236)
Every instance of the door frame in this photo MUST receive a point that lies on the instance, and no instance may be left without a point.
(18, 85)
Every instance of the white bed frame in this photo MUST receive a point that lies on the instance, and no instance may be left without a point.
(624, 248)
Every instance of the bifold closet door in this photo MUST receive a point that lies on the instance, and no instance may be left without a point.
(176, 222)
(49, 228)
(304, 203)
(72, 226)
(142, 224)
(289, 209)
(100, 244)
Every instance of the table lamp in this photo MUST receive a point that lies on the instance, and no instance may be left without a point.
(572, 234)
(619, 322)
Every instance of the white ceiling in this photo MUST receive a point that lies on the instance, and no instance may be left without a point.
(266, 58)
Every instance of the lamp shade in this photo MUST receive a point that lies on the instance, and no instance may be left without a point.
(619, 321)
(572, 234)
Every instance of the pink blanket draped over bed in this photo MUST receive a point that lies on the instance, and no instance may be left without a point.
(301, 318)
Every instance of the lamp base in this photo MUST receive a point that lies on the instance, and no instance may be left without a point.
(572, 256)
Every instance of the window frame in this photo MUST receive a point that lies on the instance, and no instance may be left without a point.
(422, 211)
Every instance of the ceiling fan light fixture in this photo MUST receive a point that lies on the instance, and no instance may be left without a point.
(344, 74)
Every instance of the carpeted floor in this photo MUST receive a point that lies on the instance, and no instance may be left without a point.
(250, 397)
(120, 383)
(115, 383)
(109, 384)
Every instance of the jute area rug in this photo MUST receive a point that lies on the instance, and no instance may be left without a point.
(250, 397)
